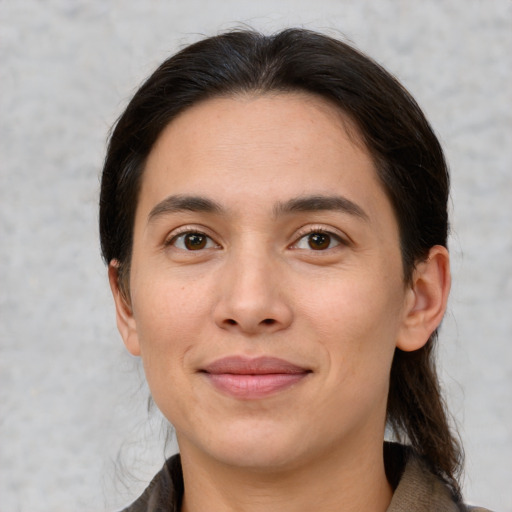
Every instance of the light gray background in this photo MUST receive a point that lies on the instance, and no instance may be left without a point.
(70, 398)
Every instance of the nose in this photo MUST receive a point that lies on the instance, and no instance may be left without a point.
(252, 296)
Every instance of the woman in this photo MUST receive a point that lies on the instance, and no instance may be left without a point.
(274, 216)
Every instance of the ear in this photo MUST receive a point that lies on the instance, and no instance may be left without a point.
(124, 315)
(426, 299)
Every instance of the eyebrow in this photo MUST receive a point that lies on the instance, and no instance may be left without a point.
(312, 203)
(317, 203)
(181, 203)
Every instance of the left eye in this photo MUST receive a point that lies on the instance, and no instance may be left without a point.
(193, 241)
(318, 241)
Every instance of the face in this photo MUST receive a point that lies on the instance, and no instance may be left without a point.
(266, 288)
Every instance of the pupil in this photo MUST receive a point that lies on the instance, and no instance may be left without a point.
(195, 241)
(318, 241)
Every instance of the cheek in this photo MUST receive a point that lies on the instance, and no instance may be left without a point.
(355, 304)
(170, 318)
(357, 323)
(169, 315)
(167, 303)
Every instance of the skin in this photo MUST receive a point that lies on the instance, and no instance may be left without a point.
(254, 286)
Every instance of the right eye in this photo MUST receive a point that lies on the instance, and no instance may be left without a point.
(318, 241)
(192, 241)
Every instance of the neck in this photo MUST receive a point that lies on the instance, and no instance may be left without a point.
(354, 480)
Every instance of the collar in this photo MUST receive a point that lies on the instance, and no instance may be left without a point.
(416, 488)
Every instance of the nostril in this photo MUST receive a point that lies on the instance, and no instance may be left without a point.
(265, 322)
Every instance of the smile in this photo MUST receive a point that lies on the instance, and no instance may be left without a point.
(251, 379)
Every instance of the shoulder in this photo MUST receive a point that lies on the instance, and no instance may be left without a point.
(164, 493)
(417, 489)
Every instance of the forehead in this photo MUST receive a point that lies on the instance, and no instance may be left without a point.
(266, 148)
(263, 112)
(269, 124)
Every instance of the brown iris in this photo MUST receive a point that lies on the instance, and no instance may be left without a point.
(195, 241)
(319, 241)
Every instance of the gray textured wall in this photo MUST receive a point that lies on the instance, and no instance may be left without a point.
(70, 398)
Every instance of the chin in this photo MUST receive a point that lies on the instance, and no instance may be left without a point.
(253, 447)
(260, 456)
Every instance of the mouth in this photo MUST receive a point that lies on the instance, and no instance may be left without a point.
(247, 378)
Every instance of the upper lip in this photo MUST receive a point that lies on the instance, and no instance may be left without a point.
(265, 365)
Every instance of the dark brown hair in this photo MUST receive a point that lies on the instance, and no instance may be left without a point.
(408, 159)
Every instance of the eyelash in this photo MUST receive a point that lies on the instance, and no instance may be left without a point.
(339, 240)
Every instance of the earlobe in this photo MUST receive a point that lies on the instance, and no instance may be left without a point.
(426, 301)
(124, 315)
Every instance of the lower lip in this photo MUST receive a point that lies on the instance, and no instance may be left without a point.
(254, 386)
